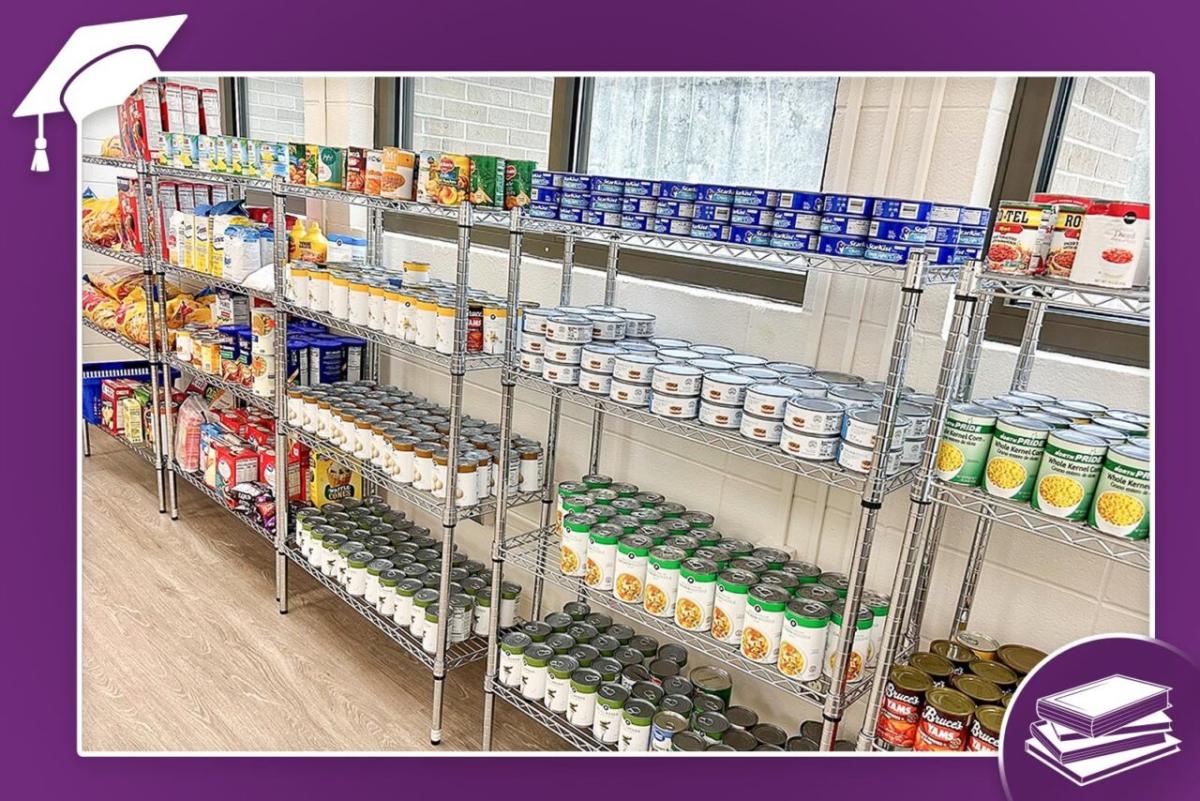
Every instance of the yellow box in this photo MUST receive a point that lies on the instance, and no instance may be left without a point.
(130, 412)
(330, 481)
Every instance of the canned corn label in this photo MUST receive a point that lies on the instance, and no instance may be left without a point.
(1067, 479)
(1013, 460)
(1122, 502)
(963, 449)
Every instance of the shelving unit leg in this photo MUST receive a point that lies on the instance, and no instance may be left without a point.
(920, 502)
(610, 296)
(450, 517)
(910, 297)
(168, 412)
(1022, 374)
(282, 446)
(966, 382)
(150, 281)
(87, 438)
(508, 384)
(929, 549)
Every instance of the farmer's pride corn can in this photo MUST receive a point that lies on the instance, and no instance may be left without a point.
(1014, 457)
(1068, 473)
(1122, 503)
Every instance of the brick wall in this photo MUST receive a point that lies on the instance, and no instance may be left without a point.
(276, 108)
(507, 116)
(1105, 149)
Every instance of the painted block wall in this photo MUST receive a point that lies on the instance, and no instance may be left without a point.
(505, 115)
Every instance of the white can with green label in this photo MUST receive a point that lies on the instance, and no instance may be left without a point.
(966, 438)
(1068, 473)
(1122, 500)
(1014, 457)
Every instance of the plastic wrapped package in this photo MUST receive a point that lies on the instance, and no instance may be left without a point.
(187, 433)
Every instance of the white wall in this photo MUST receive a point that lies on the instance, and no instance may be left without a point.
(505, 115)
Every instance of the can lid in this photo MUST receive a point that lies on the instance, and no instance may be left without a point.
(991, 717)
(910, 679)
(808, 614)
(950, 701)
(998, 673)
(1021, 658)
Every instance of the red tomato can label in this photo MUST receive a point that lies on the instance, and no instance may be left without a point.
(1020, 238)
(945, 721)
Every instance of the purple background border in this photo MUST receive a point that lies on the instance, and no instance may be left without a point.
(40, 319)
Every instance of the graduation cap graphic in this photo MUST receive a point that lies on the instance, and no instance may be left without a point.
(97, 67)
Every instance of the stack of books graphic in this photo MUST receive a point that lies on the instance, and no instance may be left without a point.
(1098, 730)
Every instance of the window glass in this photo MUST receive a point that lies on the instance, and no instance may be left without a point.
(1105, 146)
(757, 131)
(499, 116)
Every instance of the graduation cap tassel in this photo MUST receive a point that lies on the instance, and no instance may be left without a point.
(41, 162)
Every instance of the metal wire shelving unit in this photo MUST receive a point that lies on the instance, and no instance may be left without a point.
(129, 257)
(931, 498)
(206, 279)
(197, 481)
(577, 738)
(117, 337)
(239, 391)
(140, 449)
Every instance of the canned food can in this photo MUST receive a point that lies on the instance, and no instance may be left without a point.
(811, 202)
(844, 225)
(726, 388)
(1014, 457)
(555, 373)
(630, 394)
(546, 178)
(1122, 495)
(762, 217)
(802, 641)
(546, 195)
(894, 209)
(637, 222)
(664, 727)
(858, 459)
(1020, 237)
(847, 204)
(910, 451)
(761, 429)
(599, 358)
(755, 236)
(814, 416)
(900, 711)
(938, 234)
(595, 383)
(711, 231)
(677, 379)
(562, 353)
(711, 212)
(571, 199)
(636, 187)
(720, 415)
(945, 721)
(796, 221)
(674, 190)
(634, 368)
(679, 407)
(966, 440)
(985, 729)
(639, 205)
(890, 252)
(944, 213)
(531, 362)
(861, 427)
(916, 233)
(576, 182)
(767, 400)
(847, 247)
(1068, 473)
(975, 216)
(570, 329)
(606, 203)
(638, 325)
(812, 447)
(569, 215)
(762, 627)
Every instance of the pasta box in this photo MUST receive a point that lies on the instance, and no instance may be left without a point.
(112, 392)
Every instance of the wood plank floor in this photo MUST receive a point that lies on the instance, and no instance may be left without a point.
(183, 649)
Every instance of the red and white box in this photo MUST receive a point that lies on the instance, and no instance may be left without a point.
(235, 465)
(128, 190)
(297, 476)
(172, 108)
(112, 392)
(210, 112)
(191, 109)
(152, 110)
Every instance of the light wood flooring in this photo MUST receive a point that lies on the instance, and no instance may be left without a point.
(183, 649)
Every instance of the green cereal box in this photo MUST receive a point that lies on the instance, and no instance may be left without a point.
(206, 153)
(295, 163)
(487, 181)
(331, 167)
(518, 183)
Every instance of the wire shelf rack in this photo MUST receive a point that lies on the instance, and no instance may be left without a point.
(481, 216)
(428, 356)
(577, 738)
(197, 481)
(522, 551)
(140, 449)
(109, 161)
(129, 257)
(1022, 516)
(775, 259)
(728, 441)
(242, 393)
(457, 654)
(205, 279)
(1132, 303)
(421, 499)
(186, 174)
(123, 341)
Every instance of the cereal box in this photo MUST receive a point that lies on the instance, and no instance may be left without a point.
(112, 392)
(330, 167)
(128, 191)
(206, 153)
(331, 481)
(172, 107)
(297, 475)
(486, 181)
(374, 173)
(356, 169)
(312, 161)
(396, 176)
(235, 465)
(210, 112)
(183, 152)
(518, 183)
(427, 170)
(295, 163)
(191, 110)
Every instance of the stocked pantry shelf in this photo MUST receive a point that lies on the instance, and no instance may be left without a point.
(537, 552)
(138, 448)
(577, 738)
(1133, 302)
(243, 181)
(424, 501)
(457, 654)
(775, 259)
(493, 218)
(213, 281)
(729, 442)
(125, 342)
(472, 361)
(198, 482)
(136, 259)
(242, 393)
(1022, 516)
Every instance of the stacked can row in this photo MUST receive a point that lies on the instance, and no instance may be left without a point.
(1072, 459)
(657, 555)
(831, 224)
(627, 690)
(408, 306)
(406, 437)
(377, 554)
